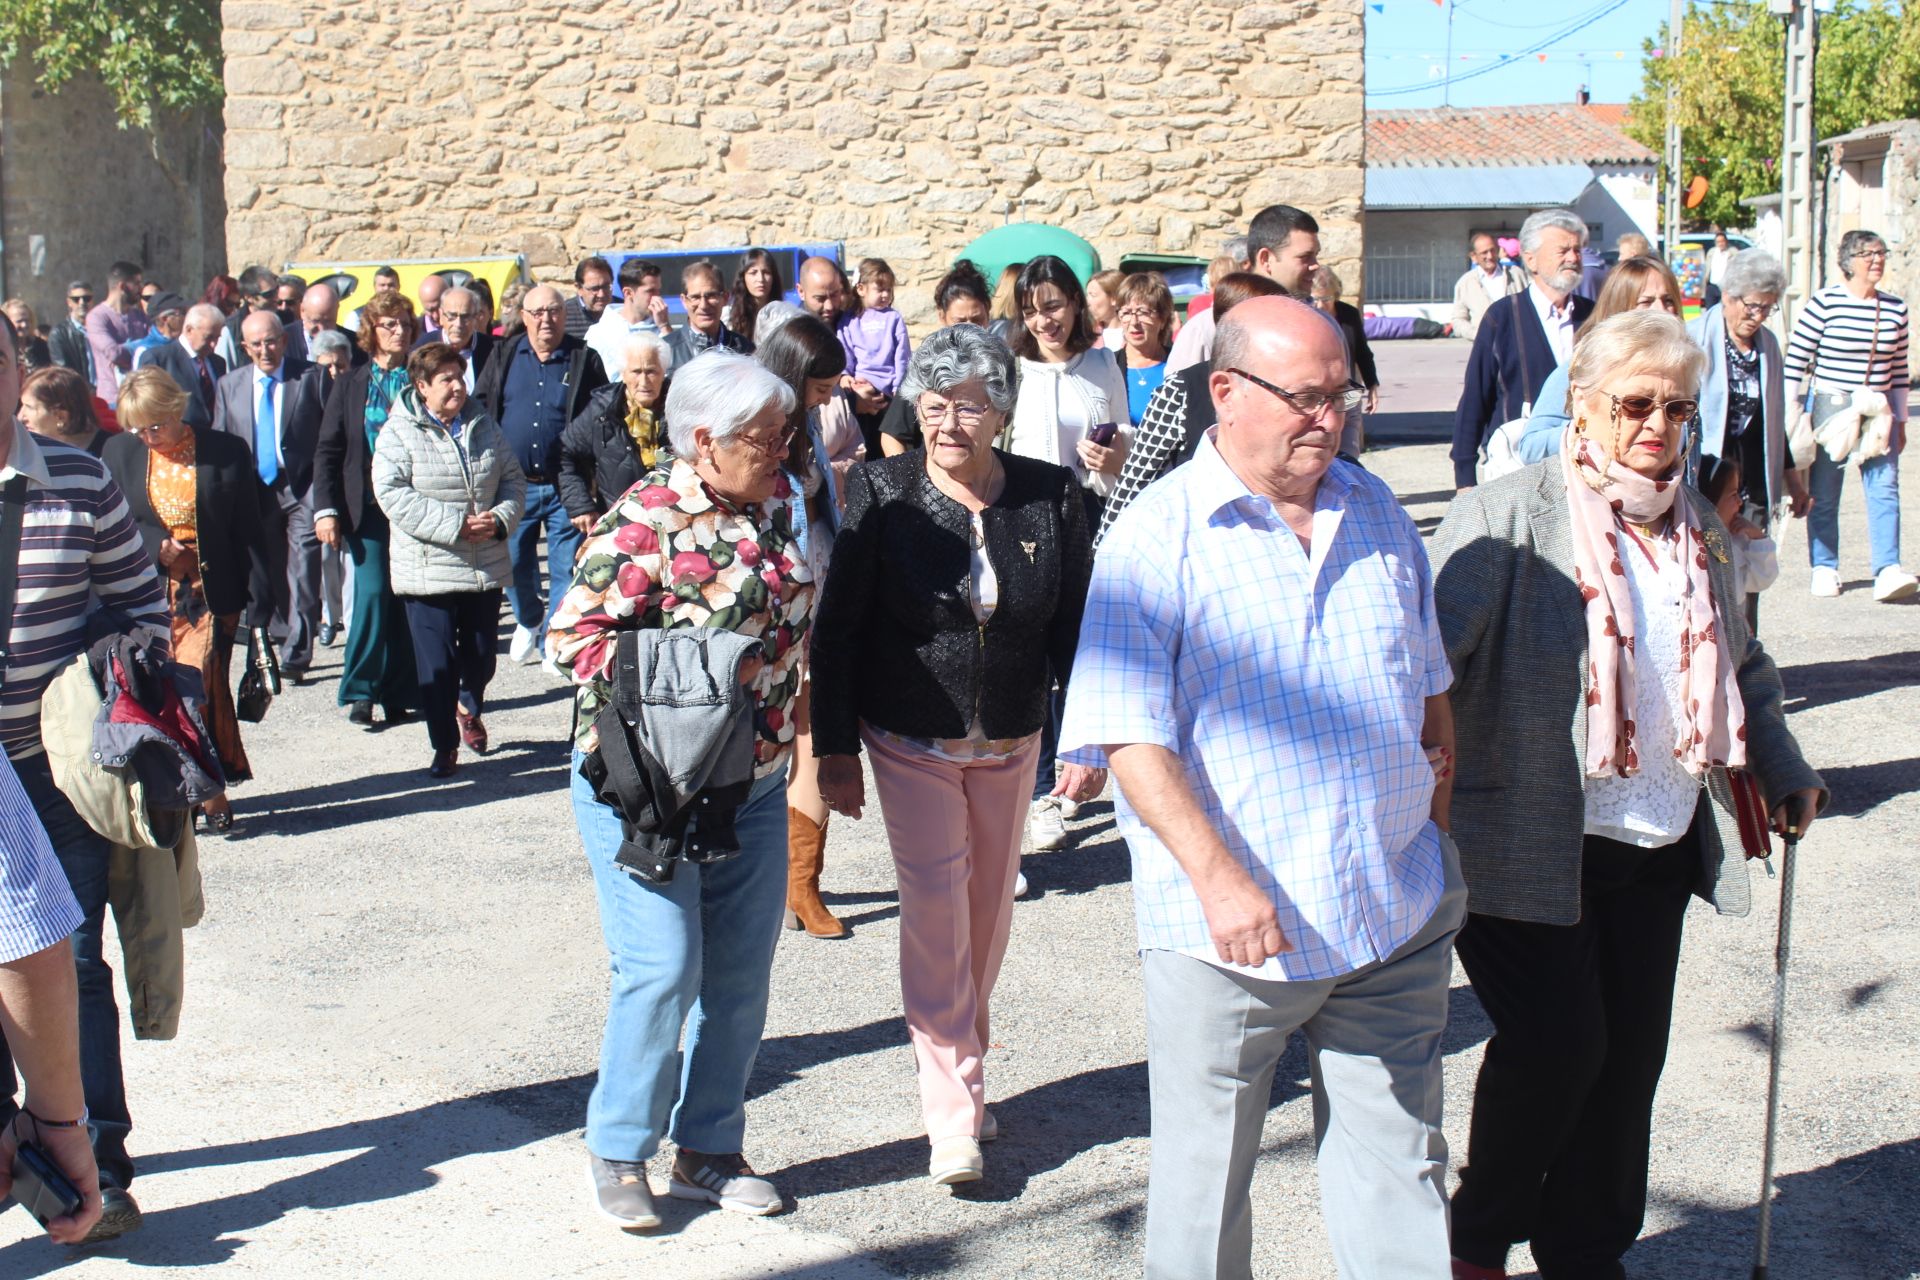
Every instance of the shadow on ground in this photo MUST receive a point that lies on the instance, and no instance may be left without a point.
(1821, 684)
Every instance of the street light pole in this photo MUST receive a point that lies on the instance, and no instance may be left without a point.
(1670, 222)
(1798, 243)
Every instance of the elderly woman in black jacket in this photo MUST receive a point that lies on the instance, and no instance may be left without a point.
(953, 601)
(193, 496)
(620, 435)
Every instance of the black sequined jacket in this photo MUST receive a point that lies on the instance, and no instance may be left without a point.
(895, 643)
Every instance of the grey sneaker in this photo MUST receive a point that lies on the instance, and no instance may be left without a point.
(1045, 830)
(118, 1214)
(726, 1180)
(621, 1192)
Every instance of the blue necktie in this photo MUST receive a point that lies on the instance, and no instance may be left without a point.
(266, 452)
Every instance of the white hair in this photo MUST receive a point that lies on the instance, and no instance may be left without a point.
(962, 353)
(1637, 341)
(770, 317)
(327, 340)
(721, 391)
(205, 313)
(1753, 273)
(642, 340)
(1559, 219)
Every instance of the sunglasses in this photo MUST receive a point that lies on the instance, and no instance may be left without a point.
(1640, 408)
(79, 297)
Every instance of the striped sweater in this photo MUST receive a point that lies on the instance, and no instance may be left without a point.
(78, 545)
(1836, 343)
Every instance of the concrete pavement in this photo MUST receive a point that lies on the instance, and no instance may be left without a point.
(394, 1004)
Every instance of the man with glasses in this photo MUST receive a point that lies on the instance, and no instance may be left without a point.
(114, 322)
(460, 315)
(533, 385)
(275, 402)
(1261, 665)
(593, 290)
(256, 293)
(703, 294)
(68, 341)
(1522, 338)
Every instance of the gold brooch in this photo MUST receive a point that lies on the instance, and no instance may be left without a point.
(1717, 545)
(1029, 548)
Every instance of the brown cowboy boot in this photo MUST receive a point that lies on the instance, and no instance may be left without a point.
(806, 851)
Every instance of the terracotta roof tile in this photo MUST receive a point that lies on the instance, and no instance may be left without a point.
(1475, 137)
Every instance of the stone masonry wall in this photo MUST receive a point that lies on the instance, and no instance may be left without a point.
(363, 129)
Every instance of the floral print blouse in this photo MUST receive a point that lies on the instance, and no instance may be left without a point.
(672, 553)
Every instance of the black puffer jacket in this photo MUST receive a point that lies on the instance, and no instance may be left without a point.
(895, 643)
(598, 460)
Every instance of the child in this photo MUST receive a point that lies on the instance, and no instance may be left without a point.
(875, 340)
(1756, 557)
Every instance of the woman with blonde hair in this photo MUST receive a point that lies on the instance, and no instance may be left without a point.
(1103, 305)
(194, 497)
(1006, 304)
(1143, 309)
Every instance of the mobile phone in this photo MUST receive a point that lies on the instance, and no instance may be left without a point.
(40, 1187)
(1102, 433)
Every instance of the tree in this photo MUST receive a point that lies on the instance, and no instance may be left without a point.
(1730, 77)
(150, 53)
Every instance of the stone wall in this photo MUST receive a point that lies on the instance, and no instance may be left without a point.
(361, 129)
(78, 192)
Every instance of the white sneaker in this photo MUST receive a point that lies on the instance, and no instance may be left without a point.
(1894, 583)
(956, 1160)
(552, 668)
(1825, 582)
(525, 647)
(1069, 809)
(1019, 884)
(1045, 830)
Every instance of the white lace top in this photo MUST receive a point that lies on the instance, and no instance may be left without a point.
(1655, 806)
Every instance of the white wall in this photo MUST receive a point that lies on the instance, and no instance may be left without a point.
(1621, 201)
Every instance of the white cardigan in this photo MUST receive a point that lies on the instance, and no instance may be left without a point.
(1058, 402)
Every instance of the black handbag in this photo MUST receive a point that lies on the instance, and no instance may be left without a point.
(262, 678)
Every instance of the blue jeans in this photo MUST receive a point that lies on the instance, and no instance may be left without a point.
(696, 952)
(1879, 481)
(83, 855)
(544, 510)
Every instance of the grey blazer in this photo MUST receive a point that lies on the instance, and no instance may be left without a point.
(1515, 630)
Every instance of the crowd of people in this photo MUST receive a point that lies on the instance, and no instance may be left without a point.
(999, 563)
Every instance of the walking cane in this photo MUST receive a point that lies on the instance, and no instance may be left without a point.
(1791, 839)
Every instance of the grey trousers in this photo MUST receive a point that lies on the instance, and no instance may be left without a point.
(1373, 1037)
(293, 566)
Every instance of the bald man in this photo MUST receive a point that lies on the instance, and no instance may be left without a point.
(274, 402)
(1287, 822)
(533, 384)
(429, 294)
(319, 313)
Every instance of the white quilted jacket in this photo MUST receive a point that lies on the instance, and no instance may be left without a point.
(427, 482)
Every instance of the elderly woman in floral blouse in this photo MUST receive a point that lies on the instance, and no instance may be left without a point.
(705, 539)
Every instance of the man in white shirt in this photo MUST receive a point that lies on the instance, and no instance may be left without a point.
(641, 310)
(1485, 283)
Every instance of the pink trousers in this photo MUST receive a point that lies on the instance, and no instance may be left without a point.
(955, 831)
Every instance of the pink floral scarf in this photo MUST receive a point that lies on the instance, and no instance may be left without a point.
(1711, 721)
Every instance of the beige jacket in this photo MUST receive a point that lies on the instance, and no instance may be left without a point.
(153, 879)
(1470, 300)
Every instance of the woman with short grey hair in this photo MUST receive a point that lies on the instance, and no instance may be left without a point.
(1743, 401)
(953, 601)
(705, 539)
(1847, 365)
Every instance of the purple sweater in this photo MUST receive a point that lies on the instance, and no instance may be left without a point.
(877, 348)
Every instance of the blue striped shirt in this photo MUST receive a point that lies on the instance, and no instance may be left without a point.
(37, 908)
(1291, 686)
(78, 546)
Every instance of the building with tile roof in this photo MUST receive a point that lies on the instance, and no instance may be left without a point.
(1436, 175)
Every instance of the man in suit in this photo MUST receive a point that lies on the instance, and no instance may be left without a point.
(275, 402)
(190, 360)
(1522, 338)
(320, 313)
(68, 341)
(256, 294)
(461, 312)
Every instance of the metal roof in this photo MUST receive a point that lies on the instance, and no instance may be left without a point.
(1522, 186)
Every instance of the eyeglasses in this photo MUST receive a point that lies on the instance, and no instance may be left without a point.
(1138, 313)
(79, 297)
(1640, 408)
(1872, 255)
(390, 325)
(772, 447)
(457, 315)
(1308, 404)
(1758, 310)
(969, 415)
(545, 313)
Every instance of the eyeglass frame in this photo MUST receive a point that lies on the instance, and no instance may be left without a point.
(1349, 401)
(959, 408)
(1665, 407)
(779, 444)
(1765, 309)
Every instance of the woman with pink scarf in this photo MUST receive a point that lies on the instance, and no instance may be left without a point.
(1605, 673)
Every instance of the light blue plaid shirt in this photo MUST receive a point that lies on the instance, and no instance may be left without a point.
(36, 905)
(1293, 690)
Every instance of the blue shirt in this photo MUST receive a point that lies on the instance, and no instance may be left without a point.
(1292, 688)
(533, 407)
(37, 908)
(1141, 384)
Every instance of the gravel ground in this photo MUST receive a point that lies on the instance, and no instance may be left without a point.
(395, 1001)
